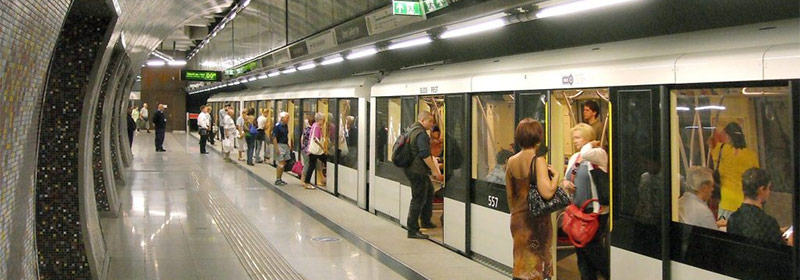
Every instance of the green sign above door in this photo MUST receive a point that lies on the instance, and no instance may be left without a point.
(433, 5)
(408, 8)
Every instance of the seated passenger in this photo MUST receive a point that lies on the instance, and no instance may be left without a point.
(750, 220)
(498, 174)
(693, 205)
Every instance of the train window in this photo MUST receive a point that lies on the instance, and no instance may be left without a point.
(388, 125)
(733, 180)
(493, 117)
(348, 132)
(291, 107)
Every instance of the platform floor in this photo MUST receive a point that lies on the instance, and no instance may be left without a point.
(186, 216)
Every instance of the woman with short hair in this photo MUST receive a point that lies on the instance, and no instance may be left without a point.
(316, 139)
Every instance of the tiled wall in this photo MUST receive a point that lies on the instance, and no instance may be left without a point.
(28, 34)
(61, 242)
(104, 197)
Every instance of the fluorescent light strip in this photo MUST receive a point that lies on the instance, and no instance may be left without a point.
(252, 79)
(679, 108)
(262, 76)
(177, 63)
(332, 60)
(410, 43)
(472, 29)
(577, 6)
(156, 63)
(306, 66)
(289, 70)
(362, 53)
(710, 107)
(273, 74)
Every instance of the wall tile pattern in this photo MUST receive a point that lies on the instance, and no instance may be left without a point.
(28, 34)
(61, 249)
(98, 163)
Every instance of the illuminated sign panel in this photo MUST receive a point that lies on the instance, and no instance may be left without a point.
(199, 75)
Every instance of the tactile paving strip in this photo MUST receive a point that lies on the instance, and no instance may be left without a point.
(260, 259)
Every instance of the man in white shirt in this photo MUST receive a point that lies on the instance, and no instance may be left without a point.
(693, 205)
(145, 116)
(262, 135)
(204, 125)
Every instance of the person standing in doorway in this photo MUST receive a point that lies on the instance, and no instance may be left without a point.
(160, 122)
(250, 127)
(204, 125)
(262, 135)
(280, 138)
(418, 173)
(240, 145)
(145, 117)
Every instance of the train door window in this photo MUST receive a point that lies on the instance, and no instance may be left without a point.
(297, 123)
(436, 106)
(733, 181)
(292, 107)
(493, 116)
(321, 169)
(390, 119)
(348, 132)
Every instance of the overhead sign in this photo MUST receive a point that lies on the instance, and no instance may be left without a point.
(199, 75)
(321, 42)
(298, 50)
(433, 5)
(407, 8)
(281, 56)
(351, 30)
(384, 20)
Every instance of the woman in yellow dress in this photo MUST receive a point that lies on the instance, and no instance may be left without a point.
(733, 160)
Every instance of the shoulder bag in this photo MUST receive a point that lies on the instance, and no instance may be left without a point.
(537, 205)
(314, 147)
(717, 178)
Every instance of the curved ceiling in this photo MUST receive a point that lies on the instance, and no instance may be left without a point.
(146, 23)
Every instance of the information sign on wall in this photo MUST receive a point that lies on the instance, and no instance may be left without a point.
(321, 42)
(384, 20)
(200, 75)
(351, 30)
(281, 56)
(298, 50)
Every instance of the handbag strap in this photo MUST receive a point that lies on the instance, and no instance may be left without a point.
(719, 157)
(595, 201)
(533, 171)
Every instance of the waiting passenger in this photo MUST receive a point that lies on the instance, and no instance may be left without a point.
(532, 235)
(230, 133)
(280, 138)
(693, 205)
(733, 158)
(250, 138)
(592, 258)
(422, 166)
(305, 139)
(591, 115)
(240, 145)
(262, 136)
(750, 220)
(498, 173)
(317, 153)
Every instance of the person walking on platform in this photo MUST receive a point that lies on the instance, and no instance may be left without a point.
(305, 139)
(316, 149)
(204, 126)
(280, 138)
(145, 117)
(222, 113)
(418, 173)
(160, 122)
(262, 135)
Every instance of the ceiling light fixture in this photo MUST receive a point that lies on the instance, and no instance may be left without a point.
(273, 74)
(410, 43)
(289, 70)
(576, 6)
(177, 63)
(475, 28)
(262, 76)
(156, 63)
(332, 60)
(710, 107)
(306, 66)
(362, 53)
(680, 108)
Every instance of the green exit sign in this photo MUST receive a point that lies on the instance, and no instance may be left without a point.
(198, 75)
(408, 8)
(434, 5)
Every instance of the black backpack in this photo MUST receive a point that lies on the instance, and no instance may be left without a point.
(401, 151)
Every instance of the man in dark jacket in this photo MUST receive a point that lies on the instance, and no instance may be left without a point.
(421, 167)
(160, 121)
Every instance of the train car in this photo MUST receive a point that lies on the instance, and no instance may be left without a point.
(667, 105)
(344, 104)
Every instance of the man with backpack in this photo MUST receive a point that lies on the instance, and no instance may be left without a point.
(413, 153)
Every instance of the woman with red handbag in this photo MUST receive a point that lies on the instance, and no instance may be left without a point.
(532, 234)
(592, 252)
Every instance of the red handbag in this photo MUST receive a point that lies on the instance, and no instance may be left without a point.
(579, 226)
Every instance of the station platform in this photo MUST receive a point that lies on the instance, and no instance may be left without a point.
(191, 216)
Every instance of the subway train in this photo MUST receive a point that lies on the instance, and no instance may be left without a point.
(665, 102)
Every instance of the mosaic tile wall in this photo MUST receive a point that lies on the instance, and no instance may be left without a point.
(117, 134)
(28, 34)
(98, 159)
(60, 241)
